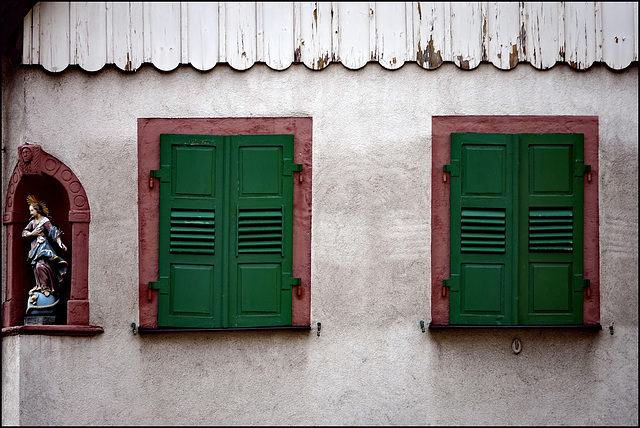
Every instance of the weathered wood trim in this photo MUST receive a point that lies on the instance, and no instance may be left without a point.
(167, 34)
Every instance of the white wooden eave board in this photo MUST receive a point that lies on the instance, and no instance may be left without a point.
(203, 34)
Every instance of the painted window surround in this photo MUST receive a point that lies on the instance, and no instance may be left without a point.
(149, 131)
(45, 168)
(442, 127)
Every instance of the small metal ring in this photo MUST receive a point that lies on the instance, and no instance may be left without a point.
(516, 346)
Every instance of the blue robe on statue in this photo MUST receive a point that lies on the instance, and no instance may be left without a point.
(48, 266)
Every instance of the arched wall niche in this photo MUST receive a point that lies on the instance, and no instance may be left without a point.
(43, 175)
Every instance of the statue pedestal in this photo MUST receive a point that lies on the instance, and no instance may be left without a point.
(40, 319)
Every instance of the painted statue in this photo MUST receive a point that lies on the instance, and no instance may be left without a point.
(48, 267)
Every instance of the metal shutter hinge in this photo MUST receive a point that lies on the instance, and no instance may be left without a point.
(162, 174)
(154, 173)
(153, 285)
(587, 169)
(445, 285)
(296, 167)
(453, 170)
(297, 282)
(582, 169)
(290, 168)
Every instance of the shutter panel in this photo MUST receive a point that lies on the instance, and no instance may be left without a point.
(190, 258)
(483, 239)
(551, 228)
(261, 224)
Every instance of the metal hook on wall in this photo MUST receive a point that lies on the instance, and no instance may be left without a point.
(516, 346)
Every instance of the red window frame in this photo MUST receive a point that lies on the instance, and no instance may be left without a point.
(149, 131)
(442, 127)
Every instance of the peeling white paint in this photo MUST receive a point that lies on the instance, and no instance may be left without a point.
(316, 33)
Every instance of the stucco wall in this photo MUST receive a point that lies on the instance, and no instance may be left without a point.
(371, 363)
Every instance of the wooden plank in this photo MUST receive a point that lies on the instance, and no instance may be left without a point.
(448, 46)
(618, 39)
(297, 38)
(54, 36)
(278, 34)
(561, 40)
(120, 34)
(541, 28)
(90, 28)
(353, 31)
(164, 34)
(109, 32)
(73, 36)
(27, 39)
(127, 31)
(580, 34)
(222, 32)
(373, 38)
(335, 31)
(503, 33)
(202, 27)
(410, 51)
(315, 34)
(136, 17)
(391, 34)
(522, 39)
(184, 33)
(260, 31)
(466, 34)
(598, 33)
(241, 40)
(483, 18)
(146, 31)
(429, 33)
(35, 35)
(635, 30)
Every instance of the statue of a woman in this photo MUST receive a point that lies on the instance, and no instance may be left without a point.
(48, 267)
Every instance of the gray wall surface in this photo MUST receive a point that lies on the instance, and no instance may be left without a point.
(371, 245)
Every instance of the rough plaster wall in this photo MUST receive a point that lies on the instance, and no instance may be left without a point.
(12, 109)
(370, 259)
(10, 382)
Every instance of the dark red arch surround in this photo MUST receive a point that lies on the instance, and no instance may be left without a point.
(45, 168)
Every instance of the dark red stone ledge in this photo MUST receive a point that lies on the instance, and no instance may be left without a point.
(53, 330)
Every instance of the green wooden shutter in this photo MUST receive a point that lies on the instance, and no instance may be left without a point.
(226, 226)
(483, 239)
(261, 225)
(190, 253)
(551, 228)
(516, 229)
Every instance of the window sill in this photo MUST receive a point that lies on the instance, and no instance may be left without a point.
(53, 330)
(591, 327)
(145, 330)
